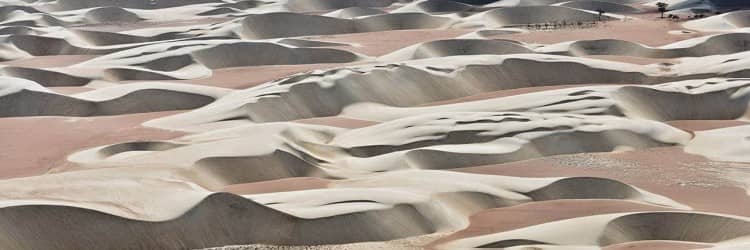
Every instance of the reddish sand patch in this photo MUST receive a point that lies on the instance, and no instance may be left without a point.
(634, 60)
(658, 245)
(700, 125)
(70, 90)
(689, 179)
(650, 30)
(282, 185)
(33, 145)
(529, 214)
(335, 121)
(49, 61)
(384, 42)
(246, 77)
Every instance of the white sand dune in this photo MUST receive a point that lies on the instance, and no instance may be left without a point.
(262, 26)
(610, 229)
(685, 100)
(727, 21)
(721, 44)
(436, 141)
(133, 98)
(44, 77)
(352, 12)
(111, 15)
(321, 5)
(726, 144)
(607, 6)
(372, 124)
(198, 227)
(141, 4)
(520, 16)
(341, 88)
(436, 6)
(195, 59)
(455, 47)
(342, 208)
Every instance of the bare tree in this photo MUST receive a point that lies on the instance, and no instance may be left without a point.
(601, 12)
(662, 8)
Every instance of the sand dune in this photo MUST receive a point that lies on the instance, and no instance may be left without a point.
(262, 26)
(196, 59)
(341, 209)
(436, 6)
(350, 86)
(519, 16)
(610, 229)
(436, 141)
(373, 124)
(47, 78)
(723, 144)
(142, 4)
(594, 5)
(318, 5)
(111, 15)
(698, 47)
(442, 48)
(38, 101)
(352, 12)
(232, 213)
(727, 21)
(698, 95)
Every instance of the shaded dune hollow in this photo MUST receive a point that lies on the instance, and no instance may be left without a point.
(722, 44)
(609, 7)
(235, 170)
(715, 45)
(137, 4)
(444, 6)
(576, 142)
(168, 65)
(521, 16)
(111, 14)
(263, 26)
(651, 226)
(46, 78)
(253, 54)
(655, 104)
(456, 47)
(48, 46)
(320, 5)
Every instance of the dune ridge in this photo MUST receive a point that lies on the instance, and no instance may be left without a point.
(373, 124)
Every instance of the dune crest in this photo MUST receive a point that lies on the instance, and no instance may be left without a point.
(374, 124)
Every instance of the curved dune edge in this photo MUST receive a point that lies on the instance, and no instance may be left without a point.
(348, 97)
(115, 100)
(610, 229)
(346, 205)
(735, 20)
(721, 44)
(373, 124)
(715, 144)
(471, 138)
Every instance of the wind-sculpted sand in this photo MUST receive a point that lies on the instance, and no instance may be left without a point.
(373, 124)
